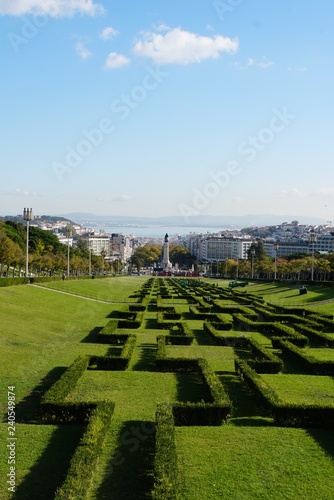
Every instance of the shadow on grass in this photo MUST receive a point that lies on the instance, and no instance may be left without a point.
(147, 359)
(151, 324)
(48, 473)
(325, 439)
(28, 410)
(92, 337)
(190, 388)
(246, 410)
(129, 473)
(291, 366)
(203, 338)
(113, 314)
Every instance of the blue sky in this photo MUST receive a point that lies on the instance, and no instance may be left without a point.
(157, 108)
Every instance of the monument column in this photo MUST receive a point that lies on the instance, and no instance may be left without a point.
(165, 259)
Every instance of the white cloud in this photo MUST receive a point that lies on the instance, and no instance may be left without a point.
(52, 8)
(122, 197)
(108, 33)
(161, 27)
(82, 50)
(252, 63)
(291, 193)
(182, 47)
(19, 192)
(115, 61)
(265, 63)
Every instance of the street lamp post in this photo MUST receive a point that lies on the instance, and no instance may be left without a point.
(28, 217)
(69, 235)
(103, 254)
(90, 261)
(313, 239)
(276, 247)
(253, 255)
(237, 268)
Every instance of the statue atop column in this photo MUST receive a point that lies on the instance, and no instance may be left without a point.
(165, 259)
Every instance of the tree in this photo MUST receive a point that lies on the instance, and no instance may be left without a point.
(181, 255)
(146, 255)
(260, 252)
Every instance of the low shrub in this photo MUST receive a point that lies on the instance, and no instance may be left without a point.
(306, 360)
(13, 281)
(83, 462)
(165, 461)
(105, 335)
(265, 361)
(314, 335)
(285, 415)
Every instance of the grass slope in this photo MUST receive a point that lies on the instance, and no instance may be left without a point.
(42, 332)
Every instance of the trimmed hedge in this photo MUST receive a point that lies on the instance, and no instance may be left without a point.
(52, 402)
(212, 412)
(265, 361)
(320, 337)
(13, 281)
(274, 330)
(321, 416)
(223, 340)
(115, 363)
(305, 360)
(83, 462)
(105, 336)
(236, 309)
(165, 461)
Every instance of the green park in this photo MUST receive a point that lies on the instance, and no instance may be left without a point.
(139, 387)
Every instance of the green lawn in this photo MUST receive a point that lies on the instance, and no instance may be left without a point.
(219, 358)
(303, 389)
(42, 331)
(118, 289)
(247, 463)
(43, 453)
(321, 354)
(288, 295)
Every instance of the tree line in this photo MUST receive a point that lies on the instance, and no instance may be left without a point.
(47, 255)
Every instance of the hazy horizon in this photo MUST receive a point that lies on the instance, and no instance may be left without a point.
(181, 109)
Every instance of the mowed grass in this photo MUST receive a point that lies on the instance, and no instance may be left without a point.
(42, 451)
(247, 463)
(219, 358)
(321, 353)
(136, 394)
(116, 289)
(302, 389)
(288, 295)
(42, 332)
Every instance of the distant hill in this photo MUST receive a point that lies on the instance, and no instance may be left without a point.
(233, 221)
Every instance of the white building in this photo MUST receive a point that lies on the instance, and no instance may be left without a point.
(99, 244)
(213, 248)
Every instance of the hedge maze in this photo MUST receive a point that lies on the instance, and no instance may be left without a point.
(267, 343)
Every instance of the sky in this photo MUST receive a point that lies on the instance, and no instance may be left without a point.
(158, 108)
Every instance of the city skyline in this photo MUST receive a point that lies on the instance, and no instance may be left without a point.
(158, 109)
